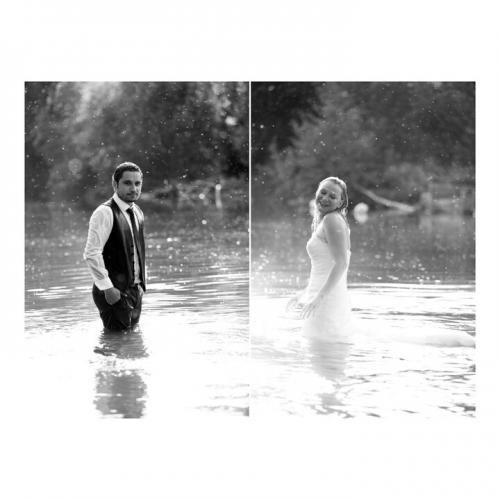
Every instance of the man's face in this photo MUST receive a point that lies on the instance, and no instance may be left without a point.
(129, 186)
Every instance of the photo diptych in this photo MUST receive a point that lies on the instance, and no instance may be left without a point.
(343, 286)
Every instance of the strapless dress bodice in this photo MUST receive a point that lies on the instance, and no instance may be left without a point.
(331, 319)
(322, 262)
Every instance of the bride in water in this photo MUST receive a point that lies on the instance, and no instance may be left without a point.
(324, 304)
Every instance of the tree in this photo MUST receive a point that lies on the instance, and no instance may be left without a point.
(278, 108)
(38, 98)
(389, 136)
(173, 130)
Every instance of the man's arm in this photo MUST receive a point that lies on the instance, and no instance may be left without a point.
(100, 225)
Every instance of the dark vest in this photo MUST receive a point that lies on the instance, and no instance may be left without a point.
(118, 252)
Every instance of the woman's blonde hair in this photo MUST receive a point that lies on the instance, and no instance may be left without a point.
(343, 207)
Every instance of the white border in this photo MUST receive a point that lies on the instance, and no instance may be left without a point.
(245, 457)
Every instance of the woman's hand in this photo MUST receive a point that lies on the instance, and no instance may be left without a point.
(310, 308)
(292, 303)
(295, 302)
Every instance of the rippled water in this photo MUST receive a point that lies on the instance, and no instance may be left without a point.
(412, 290)
(190, 351)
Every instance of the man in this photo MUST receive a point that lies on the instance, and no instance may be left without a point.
(115, 251)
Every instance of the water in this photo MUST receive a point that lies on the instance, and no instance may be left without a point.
(411, 283)
(190, 354)
(190, 351)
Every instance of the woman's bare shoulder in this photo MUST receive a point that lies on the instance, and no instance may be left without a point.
(334, 220)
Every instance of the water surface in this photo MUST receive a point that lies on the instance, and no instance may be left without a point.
(190, 351)
(411, 283)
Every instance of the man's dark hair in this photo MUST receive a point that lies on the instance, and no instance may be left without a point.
(127, 166)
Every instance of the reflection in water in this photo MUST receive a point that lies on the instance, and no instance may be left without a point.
(383, 372)
(121, 392)
(329, 360)
(190, 352)
(125, 345)
(411, 284)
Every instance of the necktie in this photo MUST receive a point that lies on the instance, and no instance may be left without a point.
(130, 211)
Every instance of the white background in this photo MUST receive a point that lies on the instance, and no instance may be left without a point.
(220, 457)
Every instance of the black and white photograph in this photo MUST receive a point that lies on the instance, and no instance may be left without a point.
(363, 249)
(136, 221)
(250, 250)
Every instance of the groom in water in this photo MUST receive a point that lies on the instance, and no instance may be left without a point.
(115, 251)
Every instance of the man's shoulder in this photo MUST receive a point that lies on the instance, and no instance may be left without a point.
(103, 210)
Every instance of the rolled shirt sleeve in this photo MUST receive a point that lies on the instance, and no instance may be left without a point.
(100, 225)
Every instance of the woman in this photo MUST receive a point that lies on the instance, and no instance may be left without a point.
(325, 304)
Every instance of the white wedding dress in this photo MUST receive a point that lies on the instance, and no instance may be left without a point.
(331, 320)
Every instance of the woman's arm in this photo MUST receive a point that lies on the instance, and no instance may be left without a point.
(337, 239)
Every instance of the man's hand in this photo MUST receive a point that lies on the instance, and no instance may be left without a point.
(112, 295)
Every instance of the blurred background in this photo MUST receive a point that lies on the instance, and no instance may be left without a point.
(186, 137)
(191, 141)
(406, 151)
(409, 142)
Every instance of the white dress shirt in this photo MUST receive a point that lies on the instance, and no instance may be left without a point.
(100, 225)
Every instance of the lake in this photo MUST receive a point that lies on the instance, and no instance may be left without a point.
(189, 354)
(412, 286)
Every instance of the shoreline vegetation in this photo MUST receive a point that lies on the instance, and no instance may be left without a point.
(437, 199)
(190, 139)
(408, 147)
(208, 194)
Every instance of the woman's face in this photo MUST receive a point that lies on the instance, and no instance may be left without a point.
(328, 197)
